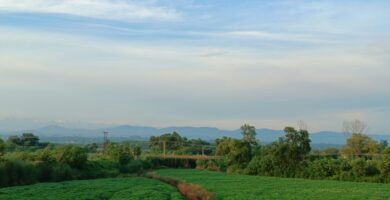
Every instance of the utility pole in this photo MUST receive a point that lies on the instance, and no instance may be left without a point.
(105, 142)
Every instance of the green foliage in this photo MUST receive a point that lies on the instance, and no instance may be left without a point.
(212, 165)
(137, 151)
(328, 168)
(236, 152)
(172, 141)
(17, 172)
(233, 186)
(2, 147)
(120, 152)
(385, 165)
(286, 157)
(176, 144)
(360, 145)
(158, 162)
(73, 156)
(27, 139)
(248, 133)
(134, 188)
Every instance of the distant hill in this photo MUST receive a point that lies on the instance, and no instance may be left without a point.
(55, 132)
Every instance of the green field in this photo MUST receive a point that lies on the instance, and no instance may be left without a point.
(101, 189)
(227, 186)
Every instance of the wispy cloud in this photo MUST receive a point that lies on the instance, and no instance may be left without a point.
(102, 9)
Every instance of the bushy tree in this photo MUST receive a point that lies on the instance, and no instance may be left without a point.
(14, 140)
(385, 166)
(359, 145)
(235, 151)
(137, 152)
(73, 156)
(29, 139)
(248, 133)
(383, 144)
(169, 141)
(120, 152)
(289, 152)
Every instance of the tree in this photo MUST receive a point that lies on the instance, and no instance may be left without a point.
(137, 151)
(2, 147)
(74, 156)
(289, 152)
(248, 133)
(298, 141)
(120, 152)
(382, 145)
(14, 140)
(355, 126)
(385, 166)
(235, 151)
(302, 125)
(167, 142)
(125, 155)
(29, 139)
(359, 145)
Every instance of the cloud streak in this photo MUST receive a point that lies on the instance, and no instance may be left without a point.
(102, 9)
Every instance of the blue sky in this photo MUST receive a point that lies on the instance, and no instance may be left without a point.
(197, 63)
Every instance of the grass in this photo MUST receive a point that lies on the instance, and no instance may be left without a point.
(229, 187)
(101, 189)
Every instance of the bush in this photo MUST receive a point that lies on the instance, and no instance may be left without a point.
(134, 166)
(260, 165)
(323, 168)
(100, 169)
(172, 162)
(62, 172)
(73, 156)
(16, 172)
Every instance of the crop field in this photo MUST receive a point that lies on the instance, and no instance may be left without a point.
(229, 186)
(102, 189)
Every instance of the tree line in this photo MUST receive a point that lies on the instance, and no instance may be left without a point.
(24, 160)
(360, 159)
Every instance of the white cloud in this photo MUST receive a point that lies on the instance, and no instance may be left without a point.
(80, 77)
(102, 9)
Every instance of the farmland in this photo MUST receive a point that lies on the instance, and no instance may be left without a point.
(229, 186)
(114, 189)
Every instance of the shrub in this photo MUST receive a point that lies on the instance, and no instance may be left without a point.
(16, 172)
(134, 166)
(62, 172)
(194, 192)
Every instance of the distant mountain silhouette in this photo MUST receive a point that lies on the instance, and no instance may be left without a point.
(206, 133)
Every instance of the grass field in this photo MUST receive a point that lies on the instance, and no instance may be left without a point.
(101, 189)
(227, 186)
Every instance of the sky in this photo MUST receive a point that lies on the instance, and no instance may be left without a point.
(217, 63)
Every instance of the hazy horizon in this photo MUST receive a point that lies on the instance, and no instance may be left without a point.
(195, 63)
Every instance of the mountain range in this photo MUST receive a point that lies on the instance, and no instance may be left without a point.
(54, 132)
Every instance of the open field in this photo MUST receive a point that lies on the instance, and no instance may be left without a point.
(229, 186)
(101, 189)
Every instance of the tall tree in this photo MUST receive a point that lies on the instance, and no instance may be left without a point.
(74, 156)
(359, 145)
(289, 152)
(29, 139)
(137, 151)
(248, 133)
(355, 126)
(235, 151)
